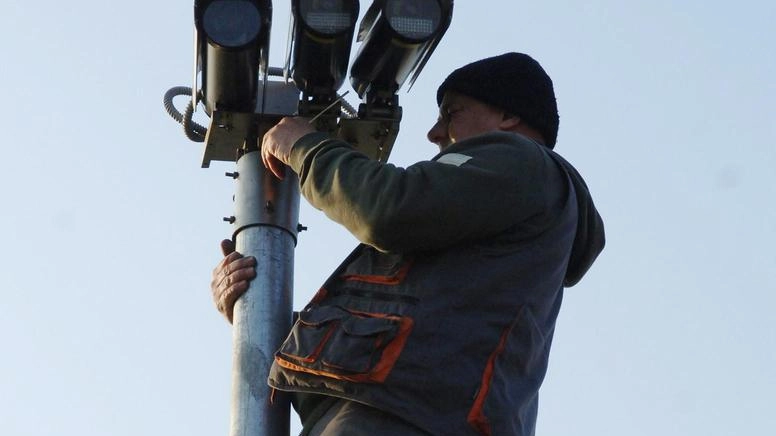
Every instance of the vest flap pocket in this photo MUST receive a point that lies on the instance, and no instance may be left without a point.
(310, 333)
(322, 315)
(344, 344)
(357, 345)
(366, 326)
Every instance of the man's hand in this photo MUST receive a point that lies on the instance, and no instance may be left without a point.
(278, 141)
(230, 278)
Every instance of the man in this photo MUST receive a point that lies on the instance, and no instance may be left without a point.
(440, 322)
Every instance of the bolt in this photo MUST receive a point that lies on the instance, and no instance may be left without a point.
(230, 219)
(233, 175)
(301, 228)
(269, 206)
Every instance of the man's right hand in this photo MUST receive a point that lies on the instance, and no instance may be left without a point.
(230, 278)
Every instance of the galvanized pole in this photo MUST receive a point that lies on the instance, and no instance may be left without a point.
(266, 220)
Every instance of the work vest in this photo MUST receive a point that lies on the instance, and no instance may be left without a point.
(454, 341)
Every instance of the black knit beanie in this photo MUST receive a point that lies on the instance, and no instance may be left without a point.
(513, 82)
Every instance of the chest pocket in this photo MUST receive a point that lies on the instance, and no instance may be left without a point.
(334, 342)
(372, 266)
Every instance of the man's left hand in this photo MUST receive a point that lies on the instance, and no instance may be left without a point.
(278, 141)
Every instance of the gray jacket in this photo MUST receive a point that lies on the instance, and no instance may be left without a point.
(445, 314)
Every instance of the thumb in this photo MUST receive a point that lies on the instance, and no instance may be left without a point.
(227, 247)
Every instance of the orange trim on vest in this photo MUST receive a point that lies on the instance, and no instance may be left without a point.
(357, 378)
(382, 368)
(476, 417)
(392, 351)
(317, 352)
(381, 280)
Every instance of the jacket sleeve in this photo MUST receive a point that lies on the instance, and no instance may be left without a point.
(484, 186)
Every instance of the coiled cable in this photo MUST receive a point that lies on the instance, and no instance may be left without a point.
(193, 131)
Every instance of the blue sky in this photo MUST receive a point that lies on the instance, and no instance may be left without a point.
(110, 228)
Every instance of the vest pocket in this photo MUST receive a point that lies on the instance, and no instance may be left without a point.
(334, 342)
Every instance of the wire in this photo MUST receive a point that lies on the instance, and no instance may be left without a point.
(193, 131)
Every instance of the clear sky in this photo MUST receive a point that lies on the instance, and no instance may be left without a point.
(110, 228)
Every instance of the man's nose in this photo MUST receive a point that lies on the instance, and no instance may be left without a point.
(438, 134)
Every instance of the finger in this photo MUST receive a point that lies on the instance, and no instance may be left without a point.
(240, 267)
(241, 270)
(219, 281)
(277, 167)
(264, 153)
(270, 163)
(273, 164)
(234, 267)
(266, 146)
(243, 273)
(229, 258)
(226, 296)
(223, 267)
(230, 298)
(227, 247)
(233, 287)
(230, 279)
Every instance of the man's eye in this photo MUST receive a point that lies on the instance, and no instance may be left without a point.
(449, 114)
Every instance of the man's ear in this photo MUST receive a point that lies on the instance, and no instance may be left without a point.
(509, 122)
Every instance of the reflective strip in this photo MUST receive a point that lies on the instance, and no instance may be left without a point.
(455, 159)
(476, 417)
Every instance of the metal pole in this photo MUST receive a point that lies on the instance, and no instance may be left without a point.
(266, 221)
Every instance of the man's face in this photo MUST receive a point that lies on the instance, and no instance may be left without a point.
(461, 117)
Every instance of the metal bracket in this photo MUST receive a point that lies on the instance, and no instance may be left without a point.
(372, 134)
(229, 130)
